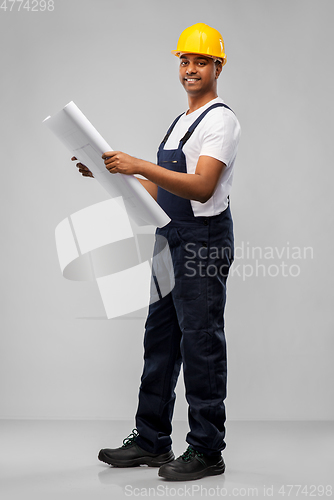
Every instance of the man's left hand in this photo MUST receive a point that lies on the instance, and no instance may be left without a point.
(118, 162)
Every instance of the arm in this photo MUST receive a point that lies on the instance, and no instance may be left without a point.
(151, 187)
(199, 186)
(148, 185)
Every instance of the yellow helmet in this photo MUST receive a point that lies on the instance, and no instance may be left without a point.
(201, 39)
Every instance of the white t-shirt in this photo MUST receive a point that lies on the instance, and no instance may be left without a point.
(217, 135)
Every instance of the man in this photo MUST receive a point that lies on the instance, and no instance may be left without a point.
(192, 183)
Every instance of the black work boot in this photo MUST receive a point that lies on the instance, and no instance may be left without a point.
(192, 465)
(131, 455)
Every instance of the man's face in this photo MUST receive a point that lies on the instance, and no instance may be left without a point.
(198, 74)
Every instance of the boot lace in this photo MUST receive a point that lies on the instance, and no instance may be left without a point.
(130, 439)
(190, 453)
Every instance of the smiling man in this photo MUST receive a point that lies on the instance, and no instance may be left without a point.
(192, 183)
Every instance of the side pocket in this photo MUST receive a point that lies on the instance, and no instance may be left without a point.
(187, 259)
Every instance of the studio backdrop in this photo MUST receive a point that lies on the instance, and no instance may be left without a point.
(60, 357)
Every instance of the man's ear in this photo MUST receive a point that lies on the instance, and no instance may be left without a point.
(219, 68)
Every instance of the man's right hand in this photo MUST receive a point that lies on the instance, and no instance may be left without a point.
(82, 168)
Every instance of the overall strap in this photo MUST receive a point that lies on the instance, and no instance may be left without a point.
(169, 131)
(199, 119)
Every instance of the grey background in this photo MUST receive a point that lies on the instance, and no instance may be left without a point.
(58, 357)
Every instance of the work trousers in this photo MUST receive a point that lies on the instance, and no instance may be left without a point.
(187, 327)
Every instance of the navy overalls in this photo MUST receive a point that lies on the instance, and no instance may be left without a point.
(187, 325)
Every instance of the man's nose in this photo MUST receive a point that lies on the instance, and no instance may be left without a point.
(191, 68)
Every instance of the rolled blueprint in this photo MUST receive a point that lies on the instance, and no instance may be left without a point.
(76, 132)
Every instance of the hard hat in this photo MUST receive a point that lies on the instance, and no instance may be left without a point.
(201, 39)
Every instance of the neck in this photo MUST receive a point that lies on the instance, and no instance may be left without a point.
(196, 102)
